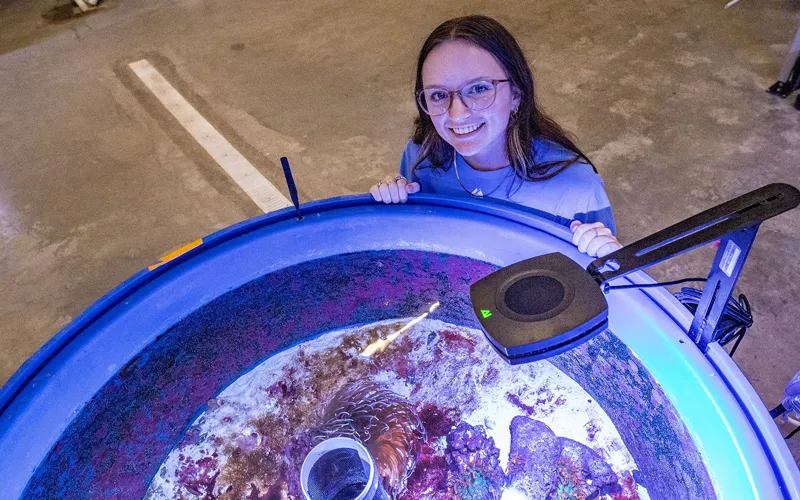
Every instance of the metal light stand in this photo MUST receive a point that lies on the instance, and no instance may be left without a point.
(728, 263)
(789, 77)
(734, 223)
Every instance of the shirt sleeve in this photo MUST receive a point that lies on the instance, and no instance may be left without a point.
(597, 207)
(407, 161)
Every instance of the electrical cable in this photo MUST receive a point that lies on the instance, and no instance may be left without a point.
(777, 411)
(736, 318)
(607, 287)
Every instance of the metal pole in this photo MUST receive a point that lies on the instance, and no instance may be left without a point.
(783, 87)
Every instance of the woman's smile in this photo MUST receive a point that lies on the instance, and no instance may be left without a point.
(466, 131)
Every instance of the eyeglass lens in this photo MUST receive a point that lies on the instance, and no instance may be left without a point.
(476, 95)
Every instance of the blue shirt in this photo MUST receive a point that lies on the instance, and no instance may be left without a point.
(576, 193)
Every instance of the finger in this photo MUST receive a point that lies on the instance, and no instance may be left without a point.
(412, 187)
(590, 236)
(608, 248)
(585, 239)
(393, 192)
(576, 224)
(401, 190)
(385, 196)
(598, 241)
(583, 229)
(375, 192)
(388, 181)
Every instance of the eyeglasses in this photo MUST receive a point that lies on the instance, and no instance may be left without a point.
(475, 95)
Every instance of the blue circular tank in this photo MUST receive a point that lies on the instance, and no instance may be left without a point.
(211, 373)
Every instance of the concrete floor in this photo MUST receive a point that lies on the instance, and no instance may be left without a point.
(97, 181)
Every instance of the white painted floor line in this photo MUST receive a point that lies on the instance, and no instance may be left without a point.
(257, 187)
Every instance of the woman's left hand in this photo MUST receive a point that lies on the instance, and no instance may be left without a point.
(593, 239)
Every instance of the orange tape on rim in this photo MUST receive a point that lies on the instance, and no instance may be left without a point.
(177, 253)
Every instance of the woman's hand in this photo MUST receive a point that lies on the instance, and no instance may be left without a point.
(593, 239)
(393, 189)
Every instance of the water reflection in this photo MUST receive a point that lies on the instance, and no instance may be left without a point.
(380, 344)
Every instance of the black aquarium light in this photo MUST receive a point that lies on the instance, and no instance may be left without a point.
(543, 306)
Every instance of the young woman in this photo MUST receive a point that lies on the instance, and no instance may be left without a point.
(480, 133)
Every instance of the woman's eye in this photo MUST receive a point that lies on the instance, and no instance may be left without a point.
(479, 88)
(437, 96)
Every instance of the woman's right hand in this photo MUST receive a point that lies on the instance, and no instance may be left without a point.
(594, 238)
(393, 189)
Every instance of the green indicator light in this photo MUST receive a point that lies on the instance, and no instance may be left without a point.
(486, 313)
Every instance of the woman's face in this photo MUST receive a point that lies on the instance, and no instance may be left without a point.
(451, 65)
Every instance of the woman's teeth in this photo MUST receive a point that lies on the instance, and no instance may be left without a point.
(466, 130)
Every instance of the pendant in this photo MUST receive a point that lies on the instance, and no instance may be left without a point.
(477, 193)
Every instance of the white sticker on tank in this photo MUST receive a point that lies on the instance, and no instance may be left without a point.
(730, 258)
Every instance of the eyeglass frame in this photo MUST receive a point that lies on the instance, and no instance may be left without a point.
(420, 95)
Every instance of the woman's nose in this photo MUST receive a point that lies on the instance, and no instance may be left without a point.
(457, 107)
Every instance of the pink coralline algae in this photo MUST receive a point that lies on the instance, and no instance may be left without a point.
(438, 420)
(199, 477)
(626, 489)
(430, 477)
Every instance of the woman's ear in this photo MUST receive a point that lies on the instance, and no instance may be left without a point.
(516, 98)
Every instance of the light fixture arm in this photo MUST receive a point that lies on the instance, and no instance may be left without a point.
(733, 223)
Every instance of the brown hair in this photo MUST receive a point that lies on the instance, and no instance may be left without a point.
(527, 123)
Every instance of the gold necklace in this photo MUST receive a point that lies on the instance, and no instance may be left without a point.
(476, 193)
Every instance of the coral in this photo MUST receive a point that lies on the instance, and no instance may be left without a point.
(473, 462)
(385, 422)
